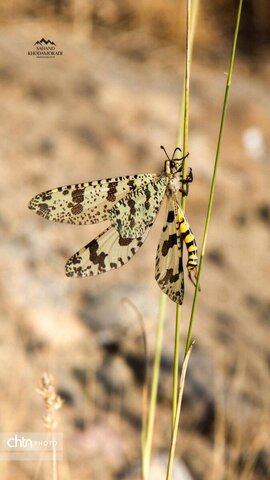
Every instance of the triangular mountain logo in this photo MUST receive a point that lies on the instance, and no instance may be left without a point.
(44, 42)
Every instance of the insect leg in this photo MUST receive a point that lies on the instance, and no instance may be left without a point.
(186, 181)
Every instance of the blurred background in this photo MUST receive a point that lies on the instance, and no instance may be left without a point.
(102, 109)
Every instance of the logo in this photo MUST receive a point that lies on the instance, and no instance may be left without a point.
(45, 49)
(30, 446)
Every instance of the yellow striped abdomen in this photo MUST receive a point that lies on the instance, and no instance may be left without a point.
(190, 242)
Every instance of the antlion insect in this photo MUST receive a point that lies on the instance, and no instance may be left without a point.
(131, 203)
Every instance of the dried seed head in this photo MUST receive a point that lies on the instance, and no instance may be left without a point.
(52, 401)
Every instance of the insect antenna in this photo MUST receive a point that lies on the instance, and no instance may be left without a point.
(184, 157)
(175, 150)
(162, 148)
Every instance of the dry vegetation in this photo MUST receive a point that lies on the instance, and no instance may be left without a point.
(102, 110)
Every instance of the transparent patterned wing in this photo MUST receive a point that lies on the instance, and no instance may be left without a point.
(132, 215)
(106, 252)
(169, 267)
(86, 203)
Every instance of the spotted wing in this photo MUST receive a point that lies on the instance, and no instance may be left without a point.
(132, 215)
(86, 203)
(106, 252)
(169, 267)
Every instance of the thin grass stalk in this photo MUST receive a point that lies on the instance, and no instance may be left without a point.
(147, 446)
(145, 376)
(54, 462)
(176, 362)
(193, 22)
(147, 436)
(182, 132)
(177, 415)
(186, 97)
(213, 183)
(188, 342)
(52, 403)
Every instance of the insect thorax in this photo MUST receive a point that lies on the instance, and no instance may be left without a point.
(173, 171)
(174, 185)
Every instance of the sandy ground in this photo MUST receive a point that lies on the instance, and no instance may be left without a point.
(93, 113)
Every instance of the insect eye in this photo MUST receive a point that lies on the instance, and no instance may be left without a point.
(172, 164)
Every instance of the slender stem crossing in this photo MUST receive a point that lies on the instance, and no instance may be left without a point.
(213, 183)
(182, 136)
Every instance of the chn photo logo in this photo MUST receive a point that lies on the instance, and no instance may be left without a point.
(45, 49)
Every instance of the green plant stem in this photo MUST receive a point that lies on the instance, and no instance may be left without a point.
(176, 361)
(147, 446)
(177, 415)
(182, 132)
(213, 183)
(186, 97)
(147, 437)
(193, 21)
